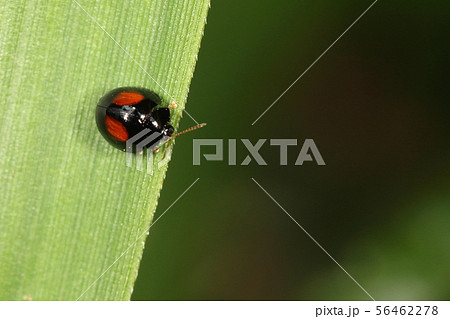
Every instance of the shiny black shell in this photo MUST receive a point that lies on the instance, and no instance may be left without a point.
(124, 112)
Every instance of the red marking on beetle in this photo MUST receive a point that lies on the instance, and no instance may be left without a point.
(116, 129)
(128, 98)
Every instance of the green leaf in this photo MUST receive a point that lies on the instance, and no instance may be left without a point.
(69, 205)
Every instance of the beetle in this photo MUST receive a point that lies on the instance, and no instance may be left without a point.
(125, 112)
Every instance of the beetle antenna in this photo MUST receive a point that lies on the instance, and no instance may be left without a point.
(169, 141)
(190, 129)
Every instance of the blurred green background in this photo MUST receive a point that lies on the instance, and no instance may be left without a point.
(377, 107)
